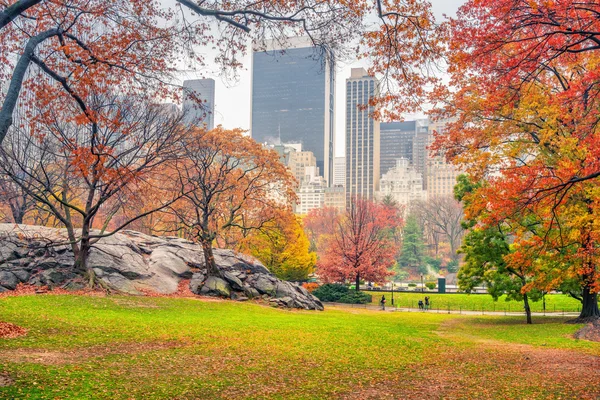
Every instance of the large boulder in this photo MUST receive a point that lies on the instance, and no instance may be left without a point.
(216, 287)
(8, 280)
(135, 263)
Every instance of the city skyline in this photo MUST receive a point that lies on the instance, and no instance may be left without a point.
(233, 96)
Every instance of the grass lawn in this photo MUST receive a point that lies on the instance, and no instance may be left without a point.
(81, 347)
(476, 302)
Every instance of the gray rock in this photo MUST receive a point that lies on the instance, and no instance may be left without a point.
(235, 283)
(8, 280)
(285, 289)
(53, 277)
(196, 283)
(251, 292)
(21, 274)
(216, 287)
(264, 285)
(288, 301)
(73, 285)
(9, 250)
(47, 263)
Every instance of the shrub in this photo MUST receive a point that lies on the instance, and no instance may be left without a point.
(310, 286)
(356, 298)
(330, 292)
(412, 285)
(430, 285)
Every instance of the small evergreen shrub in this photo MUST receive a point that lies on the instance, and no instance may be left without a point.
(430, 285)
(412, 285)
(354, 297)
(331, 292)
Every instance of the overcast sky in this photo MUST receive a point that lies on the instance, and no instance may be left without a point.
(232, 99)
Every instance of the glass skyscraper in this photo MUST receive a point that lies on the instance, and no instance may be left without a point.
(362, 137)
(293, 100)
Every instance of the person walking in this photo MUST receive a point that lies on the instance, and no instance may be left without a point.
(420, 304)
(382, 302)
(426, 303)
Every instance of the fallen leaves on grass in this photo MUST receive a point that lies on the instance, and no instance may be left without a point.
(6, 380)
(25, 290)
(589, 332)
(79, 355)
(10, 331)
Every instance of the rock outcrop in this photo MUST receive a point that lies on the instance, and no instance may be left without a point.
(134, 263)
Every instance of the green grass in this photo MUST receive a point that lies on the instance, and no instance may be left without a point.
(477, 302)
(156, 348)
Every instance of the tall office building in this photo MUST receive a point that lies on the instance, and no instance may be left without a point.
(420, 143)
(362, 136)
(396, 142)
(293, 99)
(199, 102)
(339, 171)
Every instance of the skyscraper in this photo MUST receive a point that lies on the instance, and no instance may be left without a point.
(339, 171)
(396, 142)
(362, 136)
(199, 102)
(293, 99)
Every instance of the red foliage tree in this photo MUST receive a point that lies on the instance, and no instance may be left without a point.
(361, 246)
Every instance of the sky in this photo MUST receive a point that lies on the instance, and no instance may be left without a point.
(232, 98)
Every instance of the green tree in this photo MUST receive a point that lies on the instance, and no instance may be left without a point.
(412, 254)
(485, 249)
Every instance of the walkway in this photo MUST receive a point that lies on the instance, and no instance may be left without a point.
(373, 307)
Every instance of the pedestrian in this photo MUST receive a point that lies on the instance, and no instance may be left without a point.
(420, 304)
(426, 303)
(382, 302)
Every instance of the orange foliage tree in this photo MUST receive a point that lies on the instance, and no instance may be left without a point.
(524, 88)
(83, 175)
(361, 246)
(227, 182)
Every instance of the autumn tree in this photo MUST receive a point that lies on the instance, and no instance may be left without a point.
(227, 182)
(83, 173)
(523, 87)
(283, 247)
(319, 225)
(441, 216)
(360, 247)
(486, 249)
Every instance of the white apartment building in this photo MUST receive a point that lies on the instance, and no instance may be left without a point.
(403, 183)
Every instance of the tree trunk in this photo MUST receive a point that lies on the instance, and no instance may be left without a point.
(211, 265)
(527, 308)
(589, 309)
(357, 288)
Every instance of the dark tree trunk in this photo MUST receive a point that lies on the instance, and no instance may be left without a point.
(527, 308)
(211, 265)
(18, 216)
(357, 281)
(589, 309)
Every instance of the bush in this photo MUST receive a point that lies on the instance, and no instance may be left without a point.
(310, 286)
(412, 285)
(330, 292)
(356, 298)
(430, 285)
